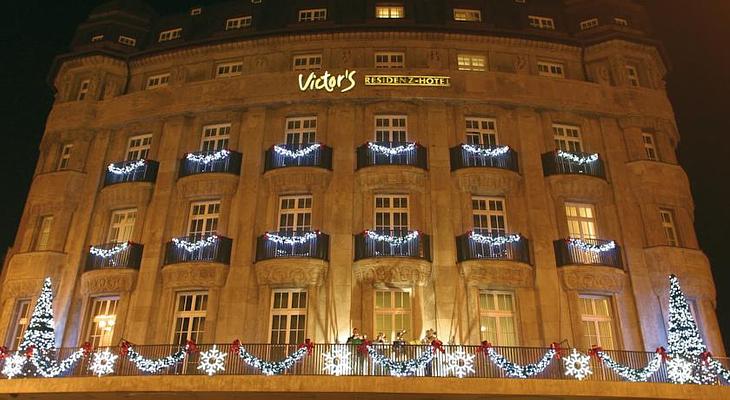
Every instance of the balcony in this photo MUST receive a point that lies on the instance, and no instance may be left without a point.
(131, 171)
(298, 155)
(202, 162)
(475, 246)
(392, 153)
(479, 156)
(396, 243)
(303, 244)
(562, 162)
(587, 252)
(114, 255)
(196, 248)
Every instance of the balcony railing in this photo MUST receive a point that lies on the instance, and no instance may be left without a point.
(298, 155)
(114, 255)
(196, 248)
(392, 153)
(474, 155)
(306, 244)
(471, 246)
(131, 171)
(200, 162)
(414, 244)
(559, 162)
(588, 252)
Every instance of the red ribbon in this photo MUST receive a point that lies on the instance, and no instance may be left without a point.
(663, 352)
(87, 348)
(3, 352)
(705, 356)
(595, 350)
(124, 348)
(191, 347)
(556, 346)
(363, 347)
(438, 345)
(235, 346)
(485, 347)
(29, 351)
(308, 345)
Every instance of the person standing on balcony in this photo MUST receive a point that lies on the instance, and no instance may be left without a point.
(428, 340)
(355, 340)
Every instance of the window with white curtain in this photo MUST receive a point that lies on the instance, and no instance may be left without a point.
(497, 323)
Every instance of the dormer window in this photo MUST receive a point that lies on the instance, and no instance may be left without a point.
(389, 11)
(127, 41)
(467, 15)
(97, 38)
(588, 24)
(238, 22)
(541, 22)
(196, 11)
(313, 15)
(621, 21)
(170, 34)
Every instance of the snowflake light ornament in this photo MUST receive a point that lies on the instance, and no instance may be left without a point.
(103, 362)
(337, 362)
(460, 363)
(14, 365)
(680, 370)
(212, 361)
(577, 365)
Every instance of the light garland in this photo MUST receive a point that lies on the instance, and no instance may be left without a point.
(129, 168)
(589, 247)
(718, 369)
(102, 363)
(294, 239)
(391, 151)
(460, 363)
(337, 361)
(577, 365)
(494, 240)
(106, 253)
(197, 245)
(212, 361)
(392, 240)
(680, 371)
(272, 367)
(578, 159)
(631, 374)
(520, 371)
(402, 368)
(14, 365)
(485, 152)
(208, 158)
(151, 366)
(298, 153)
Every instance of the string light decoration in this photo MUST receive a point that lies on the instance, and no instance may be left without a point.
(212, 361)
(151, 366)
(391, 151)
(590, 247)
(107, 253)
(402, 368)
(720, 370)
(460, 363)
(391, 240)
(270, 367)
(102, 363)
(206, 159)
(194, 246)
(485, 152)
(631, 374)
(14, 365)
(494, 240)
(580, 160)
(577, 365)
(127, 169)
(337, 361)
(291, 240)
(298, 153)
(513, 370)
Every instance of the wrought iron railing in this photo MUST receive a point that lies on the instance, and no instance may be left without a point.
(467, 248)
(306, 244)
(407, 244)
(461, 157)
(114, 255)
(589, 252)
(229, 164)
(298, 155)
(146, 171)
(554, 164)
(401, 153)
(184, 249)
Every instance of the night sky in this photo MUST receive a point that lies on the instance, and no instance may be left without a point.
(694, 32)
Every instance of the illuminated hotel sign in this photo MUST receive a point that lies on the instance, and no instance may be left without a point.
(345, 82)
(400, 80)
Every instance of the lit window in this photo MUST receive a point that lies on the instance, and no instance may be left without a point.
(300, 130)
(196, 11)
(238, 23)
(189, 319)
(121, 225)
(633, 75)
(588, 24)
(489, 215)
(306, 62)
(65, 156)
(481, 131)
(555, 70)
(388, 11)
(97, 38)
(541, 22)
(138, 147)
(102, 320)
(497, 323)
(313, 15)
(43, 233)
(288, 316)
(581, 219)
(390, 60)
(215, 137)
(295, 213)
(171, 34)
(520, 1)
(621, 21)
(157, 81)
(21, 318)
(228, 70)
(84, 86)
(462, 14)
(391, 128)
(204, 217)
(127, 41)
(392, 312)
(391, 214)
(670, 231)
(649, 146)
(471, 62)
(597, 321)
(567, 138)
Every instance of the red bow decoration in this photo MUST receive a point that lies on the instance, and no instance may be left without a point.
(29, 351)
(438, 345)
(235, 346)
(705, 356)
(663, 352)
(485, 347)
(308, 345)
(124, 348)
(87, 348)
(363, 347)
(556, 346)
(595, 350)
(191, 347)
(3, 352)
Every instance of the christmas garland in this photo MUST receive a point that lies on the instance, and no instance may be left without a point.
(106, 253)
(485, 152)
(391, 151)
(193, 246)
(208, 158)
(578, 159)
(717, 368)
(298, 153)
(45, 367)
(494, 240)
(632, 374)
(131, 167)
(153, 366)
(272, 367)
(391, 240)
(520, 371)
(593, 248)
(294, 239)
(407, 367)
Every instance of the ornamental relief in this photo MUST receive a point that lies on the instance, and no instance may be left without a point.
(303, 179)
(593, 278)
(209, 184)
(14, 289)
(108, 281)
(579, 187)
(499, 274)
(194, 275)
(478, 180)
(414, 272)
(288, 272)
(391, 178)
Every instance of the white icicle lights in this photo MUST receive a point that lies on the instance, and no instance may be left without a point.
(592, 248)
(494, 240)
(578, 159)
(127, 169)
(485, 151)
(197, 245)
(208, 158)
(107, 253)
(292, 239)
(282, 151)
(391, 151)
(392, 240)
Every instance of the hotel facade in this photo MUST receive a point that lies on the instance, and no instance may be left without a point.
(495, 170)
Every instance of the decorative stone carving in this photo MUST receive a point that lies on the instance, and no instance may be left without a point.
(497, 274)
(520, 63)
(208, 184)
(593, 278)
(110, 280)
(576, 186)
(393, 270)
(19, 288)
(127, 194)
(194, 275)
(309, 179)
(387, 177)
(299, 272)
(487, 180)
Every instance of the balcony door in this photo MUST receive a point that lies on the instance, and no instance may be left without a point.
(481, 131)
(288, 316)
(139, 147)
(295, 213)
(489, 215)
(392, 312)
(204, 217)
(497, 318)
(215, 137)
(102, 321)
(190, 312)
(391, 128)
(567, 138)
(596, 315)
(301, 130)
(391, 214)
(581, 221)
(121, 226)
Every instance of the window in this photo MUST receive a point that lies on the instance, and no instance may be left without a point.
(497, 318)
(171, 34)
(567, 138)
(238, 23)
(462, 14)
(392, 312)
(633, 75)
(190, 313)
(389, 60)
(555, 70)
(670, 231)
(157, 81)
(597, 321)
(196, 11)
(288, 316)
(65, 156)
(391, 214)
(215, 137)
(307, 62)
(391, 128)
(471, 62)
(588, 24)
(313, 15)
(481, 131)
(228, 69)
(139, 147)
(21, 318)
(127, 41)
(295, 213)
(581, 220)
(101, 321)
(203, 219)
(389, 11)
(121, 225)
(83, 89)
(649, 146)
(621, 21)
(520, 1)
(489, 215)
(541, 22)
(97, 38)
(43, 233)
(301, 130)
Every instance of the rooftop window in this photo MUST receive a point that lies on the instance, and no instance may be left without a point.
(389, 11)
